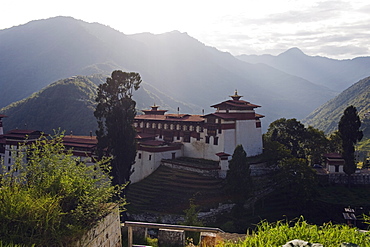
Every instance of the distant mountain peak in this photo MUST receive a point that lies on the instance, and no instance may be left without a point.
(295, 51)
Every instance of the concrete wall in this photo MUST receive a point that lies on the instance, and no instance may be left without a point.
(106, 234)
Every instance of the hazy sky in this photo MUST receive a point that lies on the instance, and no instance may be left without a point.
(337, 29)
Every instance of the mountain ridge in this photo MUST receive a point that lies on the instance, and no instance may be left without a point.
(337, 75)
(175, 67)
(327, 116)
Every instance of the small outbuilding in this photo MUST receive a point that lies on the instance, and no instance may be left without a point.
(334, 162)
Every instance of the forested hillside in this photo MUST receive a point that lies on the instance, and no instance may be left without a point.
(69, 104)
(327, 116)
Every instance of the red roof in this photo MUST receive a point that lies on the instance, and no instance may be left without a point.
(333, 155)
(1, 116)
(145, 135)
(172, 118)
(152, 143)
(223, 154)
(80, 143)
(71, 140)
(21, 134)
(236, 104)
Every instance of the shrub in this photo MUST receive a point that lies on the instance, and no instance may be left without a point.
(49, 196)
(279, 233)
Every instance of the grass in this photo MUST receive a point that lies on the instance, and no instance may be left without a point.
(279, 233)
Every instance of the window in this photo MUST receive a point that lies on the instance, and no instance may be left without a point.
(215, 140)
(9, 161)
(337, 168)
(207, 139)
(139, 156)
(150, 157)
(173, 156)
(186, 137)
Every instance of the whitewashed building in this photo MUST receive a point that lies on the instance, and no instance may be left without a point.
(213, 136)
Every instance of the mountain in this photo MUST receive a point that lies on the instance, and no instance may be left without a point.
(69, 104)
(337, 75)
(327, 116)
(175, 67)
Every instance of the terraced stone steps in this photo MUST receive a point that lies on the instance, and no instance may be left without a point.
(169, 190)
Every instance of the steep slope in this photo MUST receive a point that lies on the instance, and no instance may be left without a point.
(176, 66)
(40, 52)
(175, 188)
(69, 104)
(327, 116)
(334, 74)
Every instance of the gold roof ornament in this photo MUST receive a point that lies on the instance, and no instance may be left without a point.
(236, 96)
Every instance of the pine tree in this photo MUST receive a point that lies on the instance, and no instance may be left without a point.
(115, 114)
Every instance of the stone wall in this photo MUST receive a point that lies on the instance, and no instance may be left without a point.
(342, 178)
(106, 234)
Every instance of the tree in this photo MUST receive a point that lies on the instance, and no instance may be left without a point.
(289, 132)
(315, 145)
(274, 151)
(115, 113)
(297, 180)
(350, 133)
(335, 142)
(238, 176)
(49, 197)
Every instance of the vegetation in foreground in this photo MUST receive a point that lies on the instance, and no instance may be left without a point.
(279, 233)
(51, 197)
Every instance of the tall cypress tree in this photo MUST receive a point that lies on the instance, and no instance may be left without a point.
(238, 176)
(350, 133)
(115, 113)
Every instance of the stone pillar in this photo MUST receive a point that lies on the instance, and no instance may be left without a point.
(169, 237)
(207, 239)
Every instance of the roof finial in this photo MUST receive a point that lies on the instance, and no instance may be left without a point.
(154, 107)
(236, 96)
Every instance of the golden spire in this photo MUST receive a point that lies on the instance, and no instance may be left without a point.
(236, 96)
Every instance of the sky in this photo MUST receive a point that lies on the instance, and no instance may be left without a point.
(338, 29)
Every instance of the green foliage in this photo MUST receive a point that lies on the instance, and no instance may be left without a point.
(67, 104)
(289, 132)
(115, 114)
(308, 143)
(279, 233)
(298, 180)
(191, 219)
(316, 144)
(51, 197)
(238, 177)
(274, 151)
(350, 133)
(327, 116)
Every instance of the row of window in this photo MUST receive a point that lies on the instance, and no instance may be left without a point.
(150, 156)
(169, 126)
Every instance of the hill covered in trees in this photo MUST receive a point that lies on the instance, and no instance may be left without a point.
(327, 116)
(69, 104)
